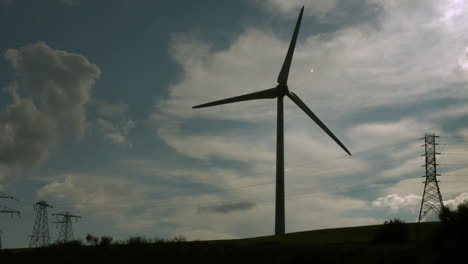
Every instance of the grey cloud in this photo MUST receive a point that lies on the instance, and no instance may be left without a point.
(25, 133)
(227, 208)
(114, 131)
(48, 100)
(112, 122)
(107, 109)
(337, 12)
(351, 12)
(60, 81)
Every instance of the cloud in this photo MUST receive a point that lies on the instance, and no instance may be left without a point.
(367, 136)
(367, 81)
(342, 12)
(112, 122)
(109, 197)
(356, 69)
(94, 190)
(60, 81)
(303, 212)
(227, 208)
(230, 147)
(49, 100)
(453, 203)
(5, 171)
(115, 132)
(409, 167)
(397, 202)
(464, 133)
(106, 109)
(454, 111)
(315, 7)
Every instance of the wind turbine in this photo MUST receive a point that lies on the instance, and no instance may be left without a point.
(279, 92)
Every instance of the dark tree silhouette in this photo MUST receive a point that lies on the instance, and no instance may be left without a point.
(393, 231)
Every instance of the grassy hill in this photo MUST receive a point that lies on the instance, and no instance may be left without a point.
(347, 235)
(340, 245)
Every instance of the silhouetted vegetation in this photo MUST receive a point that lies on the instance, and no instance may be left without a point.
(392, 242)
(454, 229)
(68, 244)
(394, 231)
(105, 241)
(92, 240)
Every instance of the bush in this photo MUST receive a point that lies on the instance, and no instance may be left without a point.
(179, 239)
(454, 224)
(392, 232)
(67, 244)
(92, 240)
(105, 241)
(138, 240)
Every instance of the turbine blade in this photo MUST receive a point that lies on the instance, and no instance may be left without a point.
(309, 112)
(265, 94)
(284, 73)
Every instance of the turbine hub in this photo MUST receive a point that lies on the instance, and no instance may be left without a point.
(282, 89)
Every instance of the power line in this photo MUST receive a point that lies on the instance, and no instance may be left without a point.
(7, 210)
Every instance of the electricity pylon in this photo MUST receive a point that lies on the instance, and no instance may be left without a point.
(432, 199)
(40, 235)
(66, 228)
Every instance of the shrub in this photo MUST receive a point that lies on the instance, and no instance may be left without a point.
(392, 232)
(454, 224)
(105, 241)
(137, 240)
(179, 239)
(92, 240)
(67, 244)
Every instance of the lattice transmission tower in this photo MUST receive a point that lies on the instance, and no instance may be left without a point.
(40, 235)
(432, 199)
(66, 228)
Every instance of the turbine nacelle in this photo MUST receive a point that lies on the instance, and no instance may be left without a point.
(282, 89)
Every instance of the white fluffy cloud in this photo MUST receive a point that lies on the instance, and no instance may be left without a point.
(453, 203)
(396, 202)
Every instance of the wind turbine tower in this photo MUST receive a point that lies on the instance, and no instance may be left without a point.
(279, 92)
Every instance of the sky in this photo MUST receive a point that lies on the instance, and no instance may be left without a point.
(96, 113)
